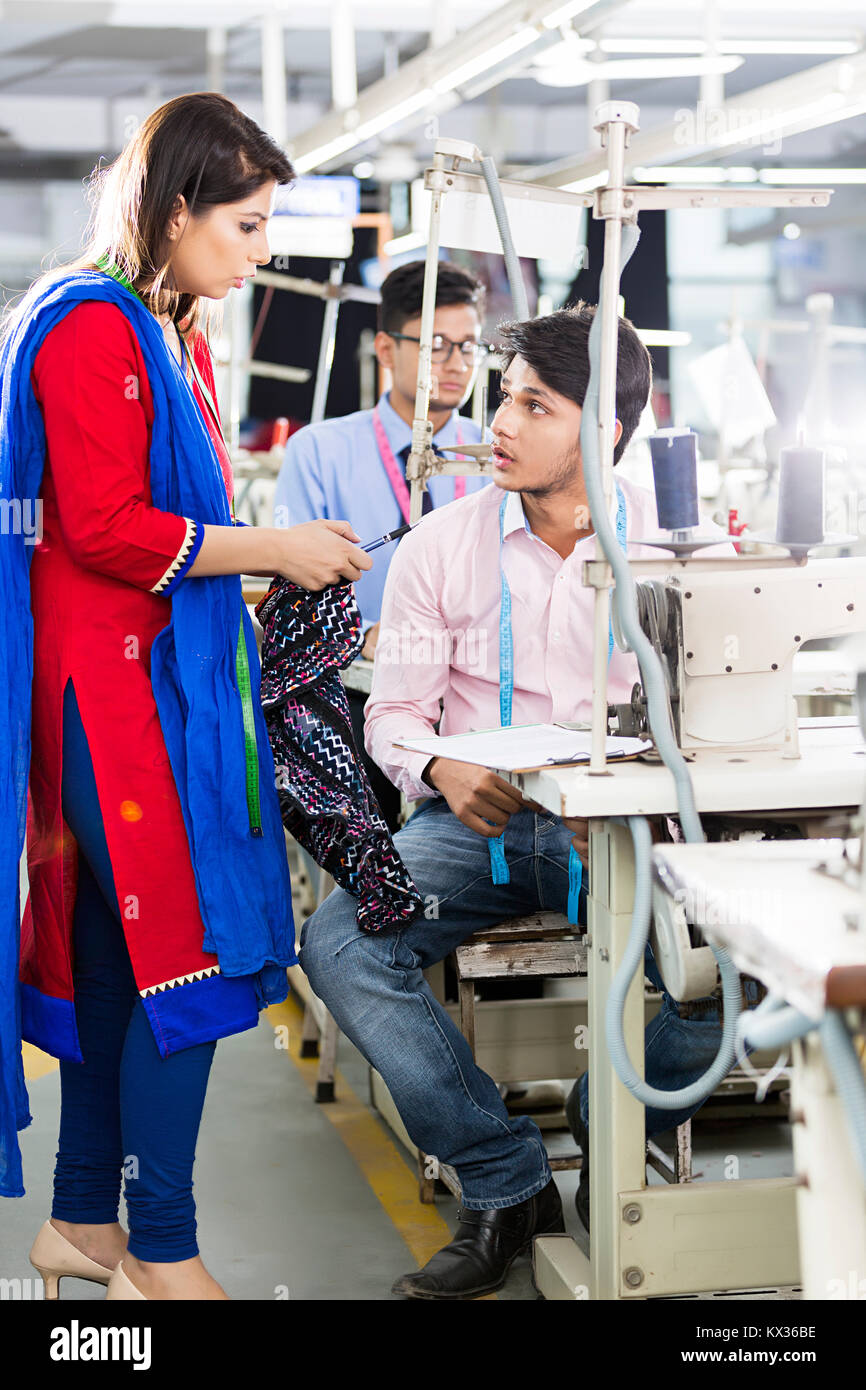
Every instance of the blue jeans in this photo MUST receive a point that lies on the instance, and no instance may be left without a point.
(125, 1107)
(375, 989)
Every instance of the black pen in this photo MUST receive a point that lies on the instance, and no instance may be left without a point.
(391, 536)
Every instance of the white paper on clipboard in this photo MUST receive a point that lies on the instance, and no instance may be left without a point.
(521, 746)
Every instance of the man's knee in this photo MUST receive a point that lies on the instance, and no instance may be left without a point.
(325, 931)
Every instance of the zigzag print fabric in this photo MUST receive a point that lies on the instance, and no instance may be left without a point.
(326, 801)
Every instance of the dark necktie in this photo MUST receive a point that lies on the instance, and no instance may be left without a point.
(427, 504)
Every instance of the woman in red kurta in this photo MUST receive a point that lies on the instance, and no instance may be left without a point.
(112, 929)
(98, 584)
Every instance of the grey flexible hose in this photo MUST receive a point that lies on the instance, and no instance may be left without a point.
(650, 666)
(632, 962)
(776, 1028)
(848, 1076)
(512, 262)
(659, 716)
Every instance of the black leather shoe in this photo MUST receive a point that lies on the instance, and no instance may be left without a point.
(485, 1247)
(579, 1130)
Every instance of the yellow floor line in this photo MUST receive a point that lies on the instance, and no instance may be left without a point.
(378, 1157)
(36, 1062)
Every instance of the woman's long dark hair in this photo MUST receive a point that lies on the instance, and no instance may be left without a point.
(199, 145)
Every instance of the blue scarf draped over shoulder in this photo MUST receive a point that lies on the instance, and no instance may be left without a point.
(238, 857)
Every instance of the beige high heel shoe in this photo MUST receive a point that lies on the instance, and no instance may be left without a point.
(53, 1256)
(121, 1286)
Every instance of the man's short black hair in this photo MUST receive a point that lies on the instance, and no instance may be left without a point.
(403, 293)
(556, 347)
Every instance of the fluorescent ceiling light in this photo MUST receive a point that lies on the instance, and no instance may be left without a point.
(682, 173)
(833, 106)
(663, 337)
(812, 176)
(350, 138)
(393, 115)
(411, 241)
(483, 61)
(587, 185)
(652, 45)
(563, 13)
(786, 46)
(576, 72)
(750, 46)
(305, 162)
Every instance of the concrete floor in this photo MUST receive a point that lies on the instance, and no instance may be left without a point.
(286, 1206)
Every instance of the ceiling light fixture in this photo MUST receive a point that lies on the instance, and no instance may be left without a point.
(555, 18)
(577, 72)
(811, 176)
(770, 47)
(694, 173)
(497, 54)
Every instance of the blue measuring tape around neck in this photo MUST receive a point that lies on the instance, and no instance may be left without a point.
(498, 863)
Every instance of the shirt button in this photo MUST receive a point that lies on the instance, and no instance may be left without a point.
(556, 637)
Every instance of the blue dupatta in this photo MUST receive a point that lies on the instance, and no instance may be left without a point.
(206, 680)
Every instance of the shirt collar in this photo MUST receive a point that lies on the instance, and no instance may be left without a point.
(400, 434)
(515, 518)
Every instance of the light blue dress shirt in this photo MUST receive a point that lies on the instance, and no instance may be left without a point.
(334, 470)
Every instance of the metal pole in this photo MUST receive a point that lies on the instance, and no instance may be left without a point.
(216, 58)
(326, 346)
(614, 135)
(367, 369)
(422, 429)
(273, 63)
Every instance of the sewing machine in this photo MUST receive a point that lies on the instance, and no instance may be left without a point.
(728, 635)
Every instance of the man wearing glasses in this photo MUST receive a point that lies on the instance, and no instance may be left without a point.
(354, 468)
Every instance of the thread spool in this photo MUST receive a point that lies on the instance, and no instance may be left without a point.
(675, 474)
(800, 519)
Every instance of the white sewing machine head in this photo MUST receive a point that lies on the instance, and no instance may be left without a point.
(728, 638)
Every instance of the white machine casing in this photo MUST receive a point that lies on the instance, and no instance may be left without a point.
(740, 629)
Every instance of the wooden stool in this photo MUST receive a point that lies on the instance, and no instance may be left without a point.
(320, 1032)
(541, 944)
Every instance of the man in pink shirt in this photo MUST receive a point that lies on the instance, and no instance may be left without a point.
(441, 638)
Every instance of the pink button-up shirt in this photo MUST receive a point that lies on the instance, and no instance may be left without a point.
(439, 634)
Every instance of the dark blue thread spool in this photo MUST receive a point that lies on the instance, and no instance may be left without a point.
(800, 518)
(675, 474)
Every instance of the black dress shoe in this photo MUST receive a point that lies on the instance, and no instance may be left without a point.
(579, 1130)
(486, 1245)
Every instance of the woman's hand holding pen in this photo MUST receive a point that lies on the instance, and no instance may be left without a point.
(313, 555)
(318, 553)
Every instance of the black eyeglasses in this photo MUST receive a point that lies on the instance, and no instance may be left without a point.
(472, 350)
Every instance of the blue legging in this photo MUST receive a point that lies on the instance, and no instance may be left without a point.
(126, 1110)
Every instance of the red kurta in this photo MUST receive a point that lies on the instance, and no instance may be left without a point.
(105, 555)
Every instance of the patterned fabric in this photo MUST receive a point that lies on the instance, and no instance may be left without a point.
(325, 798)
